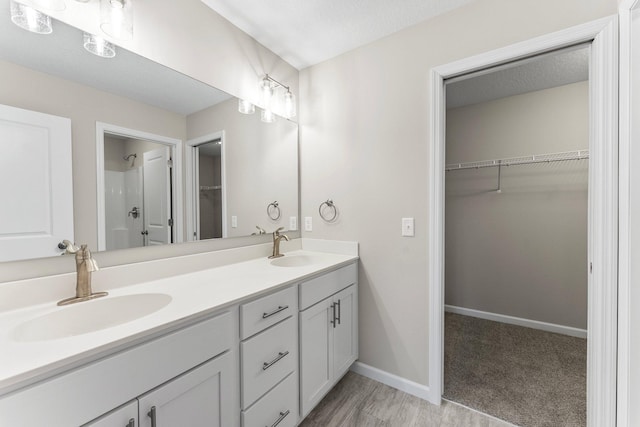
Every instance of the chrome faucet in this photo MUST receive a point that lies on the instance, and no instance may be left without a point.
(85, 265)
(276, 243)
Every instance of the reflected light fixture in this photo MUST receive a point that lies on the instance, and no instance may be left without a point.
(30, 19)
(267, 116)
(99, 46)
(245, 107)
(116, 18)
(267, 86)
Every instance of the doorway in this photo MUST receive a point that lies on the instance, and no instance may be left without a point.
(602, 206)
(516, 239)
(139, 190)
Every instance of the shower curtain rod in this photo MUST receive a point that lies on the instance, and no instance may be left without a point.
(524, 160)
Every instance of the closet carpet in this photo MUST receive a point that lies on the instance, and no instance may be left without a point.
(525, 376)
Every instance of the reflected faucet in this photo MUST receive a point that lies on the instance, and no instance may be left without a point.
(260, 231)
(276, 243)
(85, 265)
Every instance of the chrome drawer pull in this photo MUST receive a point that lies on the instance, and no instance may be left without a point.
(276, 311)
(267, 365)
(282, 416)
(152, 414)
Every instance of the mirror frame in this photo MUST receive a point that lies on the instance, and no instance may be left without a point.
(176, 176)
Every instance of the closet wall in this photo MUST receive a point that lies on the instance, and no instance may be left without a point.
(521, 252)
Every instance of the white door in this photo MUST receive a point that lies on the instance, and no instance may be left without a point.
(316, 354)
(157, 196)
(199, 398)
(36, 212)
(345, 334)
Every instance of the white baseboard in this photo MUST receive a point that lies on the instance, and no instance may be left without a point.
(535, 324)
(399, 383)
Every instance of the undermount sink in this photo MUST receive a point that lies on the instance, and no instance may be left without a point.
(293, 261)
(90, 316)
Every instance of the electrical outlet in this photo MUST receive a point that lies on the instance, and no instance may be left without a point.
(234, 221)
(308, 223)
(293, 223)
(408, 227)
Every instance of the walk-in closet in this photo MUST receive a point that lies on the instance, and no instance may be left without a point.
(516, 215)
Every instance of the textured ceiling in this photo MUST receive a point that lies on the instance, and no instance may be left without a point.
(542, 72)
(61, 54)
(306, 32)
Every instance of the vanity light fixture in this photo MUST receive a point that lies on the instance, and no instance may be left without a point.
(99, 46)
(267, 86)
(30, 19)
(116, 18)
(245, 107)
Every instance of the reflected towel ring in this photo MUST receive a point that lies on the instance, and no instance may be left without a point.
(329, 205)
(273, 210)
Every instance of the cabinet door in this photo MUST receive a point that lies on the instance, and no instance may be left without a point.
(124, 416)
(200, 397)
(345, 334)
(316, 347)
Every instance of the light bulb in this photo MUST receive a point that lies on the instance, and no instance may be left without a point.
(99, 46)
(30, 19)
(116, 18)
(267, 116)
(289, 104)
(245, 107)
(267, 92)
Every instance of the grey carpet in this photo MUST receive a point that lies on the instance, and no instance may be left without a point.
(525, 376)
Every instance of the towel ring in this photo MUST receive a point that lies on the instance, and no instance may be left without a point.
(329, 205)
(273, 211)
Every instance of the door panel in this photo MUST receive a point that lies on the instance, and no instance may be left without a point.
(157, 196)
(345, 338)
(35, 182)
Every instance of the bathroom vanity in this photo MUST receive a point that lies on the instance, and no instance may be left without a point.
(251, 343)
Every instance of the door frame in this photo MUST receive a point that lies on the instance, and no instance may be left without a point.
(191, 172)
(176, 176)
(603, 204)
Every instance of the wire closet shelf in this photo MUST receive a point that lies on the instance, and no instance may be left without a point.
(524, 160)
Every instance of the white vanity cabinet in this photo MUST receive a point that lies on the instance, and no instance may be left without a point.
(269, 360)
(328, 332)
(199, 397)
(199, 361)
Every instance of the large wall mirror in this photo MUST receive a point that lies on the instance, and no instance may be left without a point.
(158, 157)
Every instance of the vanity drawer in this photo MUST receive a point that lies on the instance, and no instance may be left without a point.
(315, 290)
(267, 358)
(281, 403)
(266, 311)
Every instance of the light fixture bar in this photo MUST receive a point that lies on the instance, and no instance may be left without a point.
(271, 79)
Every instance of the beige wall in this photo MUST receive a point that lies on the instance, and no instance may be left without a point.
(251, 145)
(521, 252)
(365, 143)
(189, 37)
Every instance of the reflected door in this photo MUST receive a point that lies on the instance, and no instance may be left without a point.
(157, 196)
(37, 209)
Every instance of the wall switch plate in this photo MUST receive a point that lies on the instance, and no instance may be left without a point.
(234, 221)
(407, 227)
(293, 223)
(308, 223)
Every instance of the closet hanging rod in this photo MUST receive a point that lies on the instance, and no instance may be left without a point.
(524, 160)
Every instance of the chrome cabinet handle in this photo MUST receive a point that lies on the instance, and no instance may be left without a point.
(132, 423)
(333, 316)
(276, 311)
(339, 315)
(282, 416)
(152, 415)
(267, 365)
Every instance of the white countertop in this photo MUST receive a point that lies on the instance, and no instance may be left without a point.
(193, 295)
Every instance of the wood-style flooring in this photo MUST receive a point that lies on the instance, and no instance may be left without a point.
(357, 401)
